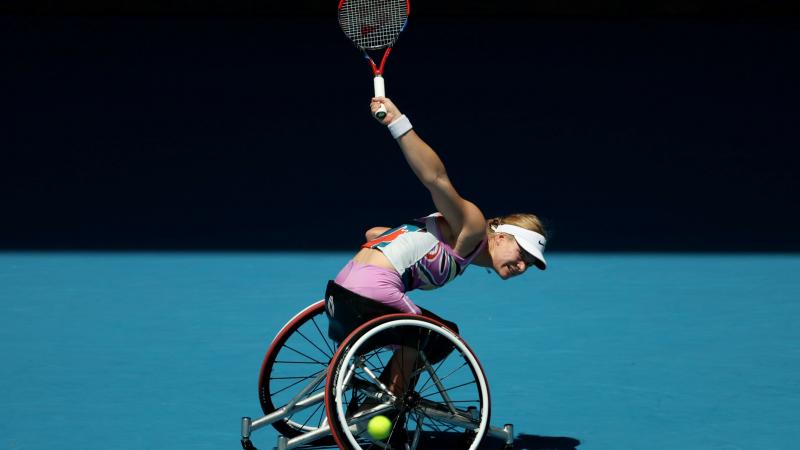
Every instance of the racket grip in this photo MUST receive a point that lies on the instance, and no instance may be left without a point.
(380, 91)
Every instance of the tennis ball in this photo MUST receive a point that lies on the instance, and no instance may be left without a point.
(379, 427)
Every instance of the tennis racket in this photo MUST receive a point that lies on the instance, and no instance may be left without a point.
(374, 25)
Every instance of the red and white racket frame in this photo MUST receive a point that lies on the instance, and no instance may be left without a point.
(377, 70)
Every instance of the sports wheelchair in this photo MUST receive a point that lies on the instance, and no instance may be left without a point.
(319, 391)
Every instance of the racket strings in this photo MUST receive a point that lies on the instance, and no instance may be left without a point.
(373, 24)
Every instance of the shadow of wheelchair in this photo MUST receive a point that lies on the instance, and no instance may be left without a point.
(533, 442)
(529, 442)
(448, 441)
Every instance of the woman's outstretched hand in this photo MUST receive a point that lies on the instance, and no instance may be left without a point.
(392, 112)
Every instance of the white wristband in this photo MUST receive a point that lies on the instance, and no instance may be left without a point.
(400, 126)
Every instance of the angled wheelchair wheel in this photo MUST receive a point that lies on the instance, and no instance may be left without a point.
(445, 399)
(293, 372)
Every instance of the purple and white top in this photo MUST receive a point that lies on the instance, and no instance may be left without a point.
(420, 256)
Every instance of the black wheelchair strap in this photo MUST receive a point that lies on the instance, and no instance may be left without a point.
(347, 310)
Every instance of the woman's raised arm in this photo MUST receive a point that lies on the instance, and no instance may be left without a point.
(465, 219)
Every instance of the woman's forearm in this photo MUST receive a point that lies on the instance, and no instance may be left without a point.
(422, 159)
(420, 156)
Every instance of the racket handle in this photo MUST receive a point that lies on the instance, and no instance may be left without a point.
(380, 91)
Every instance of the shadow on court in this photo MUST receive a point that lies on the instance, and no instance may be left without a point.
(451, 441)
(533, 442)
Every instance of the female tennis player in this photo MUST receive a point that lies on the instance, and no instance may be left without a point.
(426, 253)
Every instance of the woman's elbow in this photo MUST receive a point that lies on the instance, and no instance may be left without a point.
(374, 232)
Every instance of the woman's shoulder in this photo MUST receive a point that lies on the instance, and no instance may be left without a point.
(463, 243)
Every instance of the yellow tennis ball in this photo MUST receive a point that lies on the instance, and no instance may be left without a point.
(379, 427)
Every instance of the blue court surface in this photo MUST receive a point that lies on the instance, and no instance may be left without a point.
(619, 351)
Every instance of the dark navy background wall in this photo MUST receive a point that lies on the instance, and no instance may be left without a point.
(624, 132)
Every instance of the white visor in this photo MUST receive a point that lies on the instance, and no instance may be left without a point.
(530, 241)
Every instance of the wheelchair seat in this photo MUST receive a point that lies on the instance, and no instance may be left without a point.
(347, 310)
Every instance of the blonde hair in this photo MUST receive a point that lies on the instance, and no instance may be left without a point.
(529, 221)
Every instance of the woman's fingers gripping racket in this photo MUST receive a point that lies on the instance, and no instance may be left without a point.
(380, 113)
(385, 106)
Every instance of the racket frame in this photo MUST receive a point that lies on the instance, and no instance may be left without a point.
(378, 83)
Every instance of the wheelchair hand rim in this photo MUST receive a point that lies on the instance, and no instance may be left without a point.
(398, 320)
